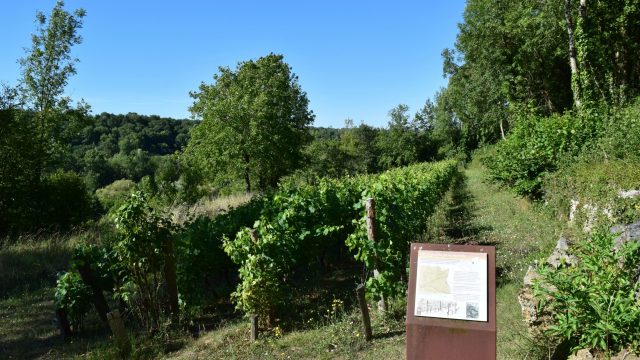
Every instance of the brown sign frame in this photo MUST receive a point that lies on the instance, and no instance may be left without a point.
(447, 339)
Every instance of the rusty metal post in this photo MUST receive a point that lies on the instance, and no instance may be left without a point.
(371, 234)
(366, 320)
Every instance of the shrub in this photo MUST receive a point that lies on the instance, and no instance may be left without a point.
(66, 201)
(594, 301)
(140, 250)
(200, 256)
(114, 194)
(74, 297)
(536, 146)
(621, 137)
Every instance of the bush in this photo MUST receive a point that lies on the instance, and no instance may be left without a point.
(200, 257)
(621, 137)
(74, 297)
(141, 250)
(66, 201)
(537, 145)
(594, 301)
(115, 194)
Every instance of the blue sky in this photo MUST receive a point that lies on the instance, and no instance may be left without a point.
(355, 59)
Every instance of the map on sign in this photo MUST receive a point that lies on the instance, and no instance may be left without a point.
(451, 285)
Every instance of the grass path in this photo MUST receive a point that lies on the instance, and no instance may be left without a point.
(481, 213)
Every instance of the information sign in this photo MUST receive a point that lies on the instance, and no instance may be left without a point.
(451, 285)
(451, 303)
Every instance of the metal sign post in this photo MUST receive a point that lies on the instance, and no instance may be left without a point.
(451, 305)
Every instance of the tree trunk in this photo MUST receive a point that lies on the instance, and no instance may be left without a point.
(573, 56)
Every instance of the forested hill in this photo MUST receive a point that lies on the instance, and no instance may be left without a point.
(111, 147)
(154, 134)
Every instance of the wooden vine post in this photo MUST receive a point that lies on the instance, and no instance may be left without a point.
(99, 301)
(371, 234)
(254, 327)
(366, 320)
(170, 278)
(254, 317)
(119, 333)
(63, 323)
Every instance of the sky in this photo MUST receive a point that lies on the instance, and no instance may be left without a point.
(355, 59)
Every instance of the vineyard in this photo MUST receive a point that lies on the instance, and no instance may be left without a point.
(272, 242)
(302, 222)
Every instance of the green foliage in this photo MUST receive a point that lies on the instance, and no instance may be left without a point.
(536, 147)
(48, 64)
(73, 296)
(200, 257)
(404, 199)
(621, 134)
(114, 194)
(66, 201)
(300, 221)
(398, 145)
(593, 181)
(140, 250)
(506, 54)
(19, 174)
(594, 301)
(254, 123)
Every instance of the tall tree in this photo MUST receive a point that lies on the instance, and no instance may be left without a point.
(254, 123)
(33, 119)
(398, 144)
(507, 54)
(46, 69)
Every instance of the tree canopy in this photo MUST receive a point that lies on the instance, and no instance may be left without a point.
(255, 121)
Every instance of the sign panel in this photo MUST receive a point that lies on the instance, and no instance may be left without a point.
(451, 303)
(451, 285)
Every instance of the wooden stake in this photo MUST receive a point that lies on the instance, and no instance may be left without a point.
(119, 333)
(63, 323)
(170, 278)
(366, 320)
(371, 234)
(99, 301)
(254, 327)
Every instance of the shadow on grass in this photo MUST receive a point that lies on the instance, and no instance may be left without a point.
(388, 334)
(460, 226)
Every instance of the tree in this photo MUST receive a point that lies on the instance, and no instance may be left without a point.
(508, 54)
(398, 145)
(34, 120)
(254, 123)
(45, 72)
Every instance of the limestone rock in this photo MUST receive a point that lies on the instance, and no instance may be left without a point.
(583, 354)
(560, 255)
(627, 233)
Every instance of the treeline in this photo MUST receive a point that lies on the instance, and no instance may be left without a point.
(514, 59)
(364, 149)
(130, 146)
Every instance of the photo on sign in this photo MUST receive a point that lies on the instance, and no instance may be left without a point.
(451, 285)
